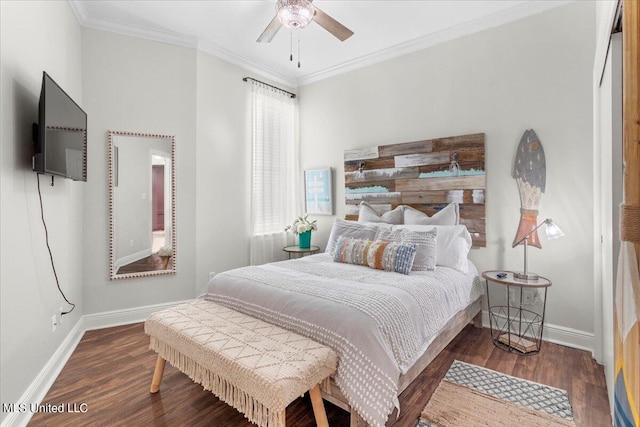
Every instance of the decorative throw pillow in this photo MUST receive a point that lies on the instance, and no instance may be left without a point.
(425, 241)
(449, 215)
(346, 228)
(389, 256)
(369, 214)
(452, 245)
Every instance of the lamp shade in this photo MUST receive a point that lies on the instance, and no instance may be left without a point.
(552, 230)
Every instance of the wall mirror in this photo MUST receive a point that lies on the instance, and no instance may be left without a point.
(142, 194)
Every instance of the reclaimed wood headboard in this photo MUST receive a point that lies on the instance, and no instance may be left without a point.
(423, 175)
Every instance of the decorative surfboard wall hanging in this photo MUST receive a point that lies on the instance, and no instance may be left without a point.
(529, 171)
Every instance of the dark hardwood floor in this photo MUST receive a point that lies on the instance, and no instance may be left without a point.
(111, 370)
(151, 263)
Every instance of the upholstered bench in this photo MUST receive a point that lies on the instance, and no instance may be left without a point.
(256, 367)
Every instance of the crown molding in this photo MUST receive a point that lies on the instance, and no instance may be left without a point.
(248, 64)
(499, 18)
(130, 30)
(262, 70)
(79, 10)
(145, 33)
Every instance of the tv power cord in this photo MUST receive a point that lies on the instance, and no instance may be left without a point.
(46, 237)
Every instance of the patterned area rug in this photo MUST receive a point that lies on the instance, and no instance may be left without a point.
(473, 396)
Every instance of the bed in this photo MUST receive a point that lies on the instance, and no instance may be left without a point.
(384, 326)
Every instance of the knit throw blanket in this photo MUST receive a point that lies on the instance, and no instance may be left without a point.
(254, 366)
(378, 322)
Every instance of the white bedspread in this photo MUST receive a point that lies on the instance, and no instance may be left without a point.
(378, 322)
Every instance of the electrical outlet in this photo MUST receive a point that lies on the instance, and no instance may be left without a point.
(527, 297)
(537, 296)
(60, 311)
(54, 323)
(212, 274)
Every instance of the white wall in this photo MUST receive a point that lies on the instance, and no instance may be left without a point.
(138, 85)
(534, 73)
(29, 296)
(223, 167)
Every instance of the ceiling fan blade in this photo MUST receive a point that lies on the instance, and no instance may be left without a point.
(270, 32)
(334, 27)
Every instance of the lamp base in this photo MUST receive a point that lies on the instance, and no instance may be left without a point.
(525, 276)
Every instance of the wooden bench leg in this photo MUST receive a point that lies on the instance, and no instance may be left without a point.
(318, 406)
(157, 375)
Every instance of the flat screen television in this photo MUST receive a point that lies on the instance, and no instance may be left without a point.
(60, 135)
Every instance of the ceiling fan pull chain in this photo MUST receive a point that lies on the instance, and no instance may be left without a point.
(291, 45)
(298, 49)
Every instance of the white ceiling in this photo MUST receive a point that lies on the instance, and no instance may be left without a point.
(229, 29)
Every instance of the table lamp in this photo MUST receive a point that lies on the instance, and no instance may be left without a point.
(553, 232)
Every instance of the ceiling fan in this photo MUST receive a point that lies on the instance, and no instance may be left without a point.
(296, 14)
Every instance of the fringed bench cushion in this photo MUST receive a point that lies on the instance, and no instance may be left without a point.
(256, 367)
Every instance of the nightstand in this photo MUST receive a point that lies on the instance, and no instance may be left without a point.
(517, 326)
(295, 249)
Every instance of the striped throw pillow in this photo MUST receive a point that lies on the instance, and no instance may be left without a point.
(389, 256)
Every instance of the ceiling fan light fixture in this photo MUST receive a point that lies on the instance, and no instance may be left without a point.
(294, 14)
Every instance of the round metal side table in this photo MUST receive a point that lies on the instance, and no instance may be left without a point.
(295, 249)
(517, 326)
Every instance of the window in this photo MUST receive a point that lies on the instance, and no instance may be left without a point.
(274, 185)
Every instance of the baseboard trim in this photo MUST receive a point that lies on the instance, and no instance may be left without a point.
(109, 319)
(562, 335)
(38, 389)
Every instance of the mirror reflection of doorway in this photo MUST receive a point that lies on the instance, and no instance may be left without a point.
(157, 185)
(157, 209)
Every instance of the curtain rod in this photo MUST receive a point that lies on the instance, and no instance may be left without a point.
(244, 79)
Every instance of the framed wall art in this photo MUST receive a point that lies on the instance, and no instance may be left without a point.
(317, 191)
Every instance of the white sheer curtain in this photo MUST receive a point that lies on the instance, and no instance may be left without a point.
(275, 176)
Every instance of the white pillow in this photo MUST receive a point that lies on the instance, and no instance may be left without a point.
(369, 214)
(425, 241)
(449, 215)
(381, 226)
(346, 228)
(453, 244)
